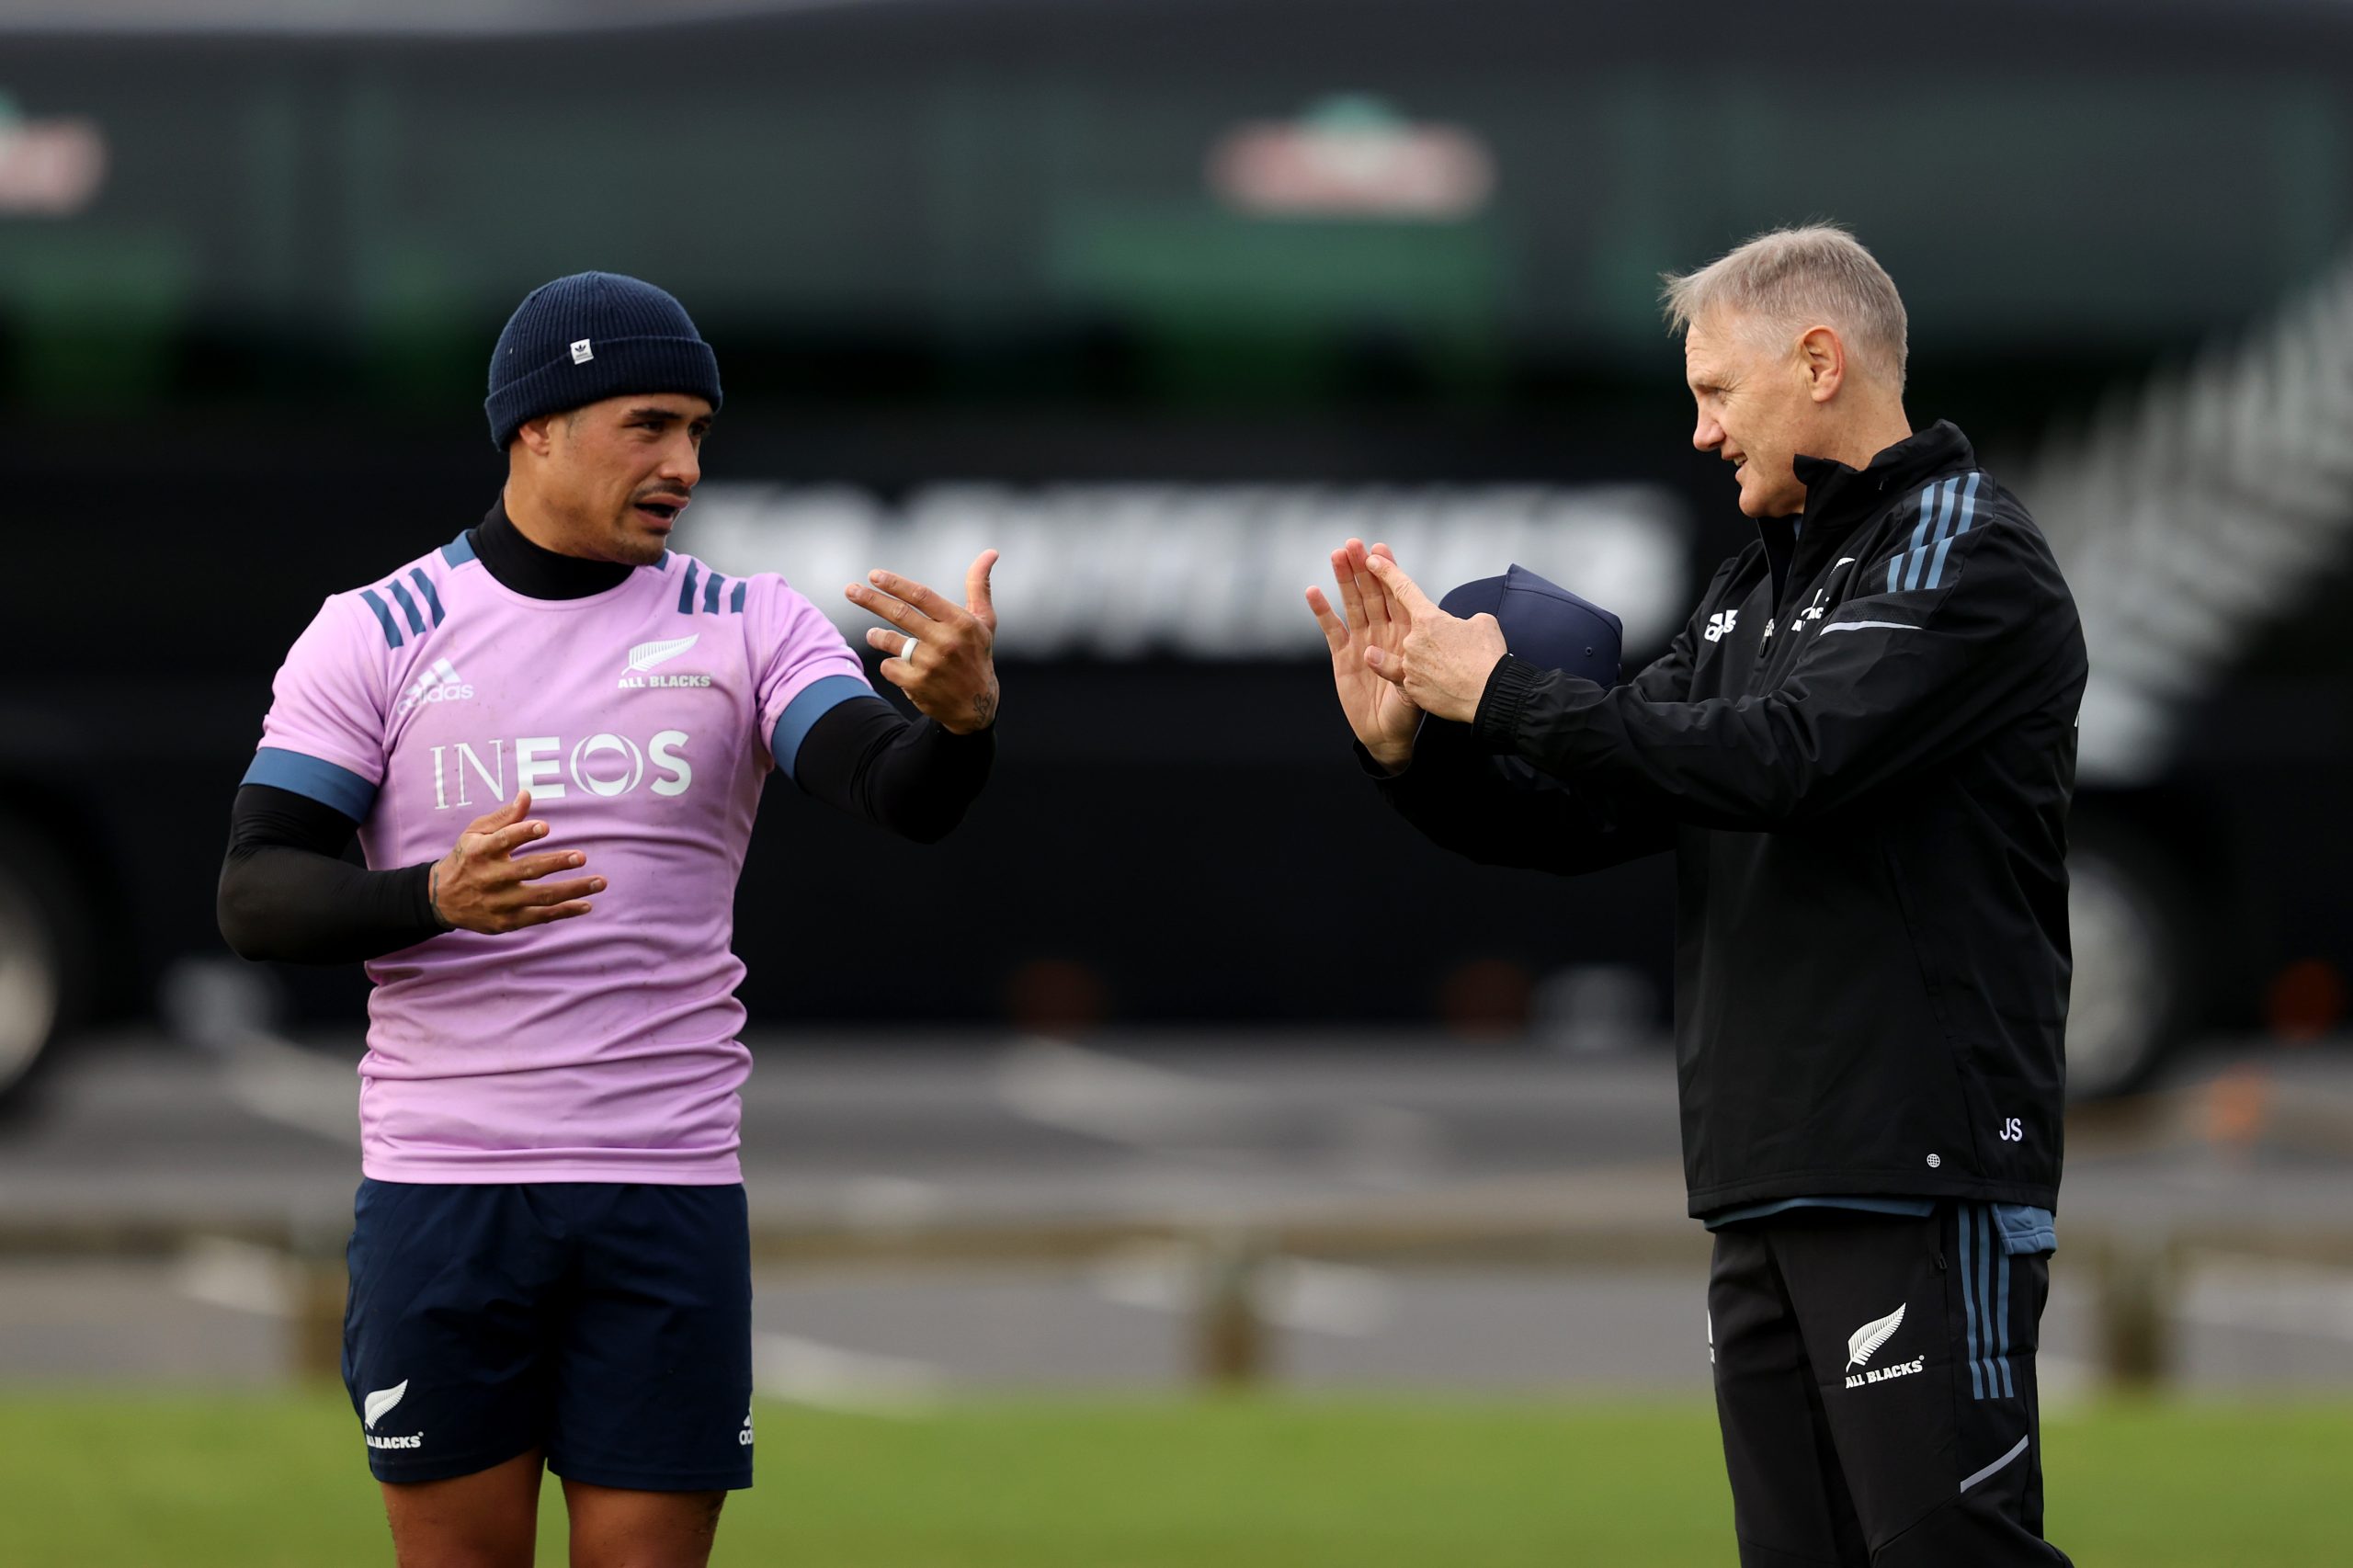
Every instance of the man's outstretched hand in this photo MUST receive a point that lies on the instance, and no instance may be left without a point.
(1439, 662)
(1382, 716)
(943, 657)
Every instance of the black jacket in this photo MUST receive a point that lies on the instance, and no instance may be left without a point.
(1861, 749)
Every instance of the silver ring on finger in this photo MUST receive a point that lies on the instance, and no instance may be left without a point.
(907, 651)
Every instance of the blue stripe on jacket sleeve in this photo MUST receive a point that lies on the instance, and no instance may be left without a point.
(1927, 514)
(1919, 555)
(1968, 511)
(307, 776)
(813, 703)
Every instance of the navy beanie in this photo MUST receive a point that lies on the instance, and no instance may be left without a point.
(587, 337)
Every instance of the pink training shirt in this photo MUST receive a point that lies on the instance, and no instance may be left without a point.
(642, 720)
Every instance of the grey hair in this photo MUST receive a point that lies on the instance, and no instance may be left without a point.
(1818, 275)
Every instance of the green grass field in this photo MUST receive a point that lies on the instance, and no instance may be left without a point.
(101, 1481)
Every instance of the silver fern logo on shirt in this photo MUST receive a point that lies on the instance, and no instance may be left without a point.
(646, 655)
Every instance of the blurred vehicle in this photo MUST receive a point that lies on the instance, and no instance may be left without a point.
(1164, 298)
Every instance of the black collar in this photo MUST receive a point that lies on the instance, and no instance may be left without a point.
(535, 571)
(1838, 498)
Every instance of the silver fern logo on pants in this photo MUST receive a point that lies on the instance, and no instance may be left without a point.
(1871, 1336)
(1864, 1343)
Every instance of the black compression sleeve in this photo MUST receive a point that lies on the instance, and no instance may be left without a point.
(912, 777)
(287, 892)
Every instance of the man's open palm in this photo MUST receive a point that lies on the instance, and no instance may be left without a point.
(1383, 718)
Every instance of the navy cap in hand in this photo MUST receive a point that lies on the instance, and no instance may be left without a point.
(1545, 623)
(1549, 627)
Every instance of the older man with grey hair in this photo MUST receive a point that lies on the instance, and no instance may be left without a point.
(1861, 750)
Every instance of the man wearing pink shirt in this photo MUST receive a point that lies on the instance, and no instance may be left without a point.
(549, 735)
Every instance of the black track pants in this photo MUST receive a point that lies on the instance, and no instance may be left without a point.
(1875, 1383)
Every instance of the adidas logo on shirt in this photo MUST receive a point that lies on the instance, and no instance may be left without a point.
(442, 683)
(1721, 623)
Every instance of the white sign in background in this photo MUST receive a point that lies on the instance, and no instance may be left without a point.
(1207, 572)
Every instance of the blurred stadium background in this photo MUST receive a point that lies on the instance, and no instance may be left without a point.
(1162, 298)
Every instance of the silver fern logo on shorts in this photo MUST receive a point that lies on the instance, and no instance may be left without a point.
(378, 1405)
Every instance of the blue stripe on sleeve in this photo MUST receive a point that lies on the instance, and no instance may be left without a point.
(735, 596)
(687, 590)
(1968, 511)
(1919, 554)
(1919, 532)
(1927, 511)
(383, 617)
(1963, 1223)
(308, 777)
(425, 587)
(711, 592)
(408, 607)
(813, 703)
(459, 550)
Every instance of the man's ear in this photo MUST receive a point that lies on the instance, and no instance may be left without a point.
(1824, 360)
(537, 434)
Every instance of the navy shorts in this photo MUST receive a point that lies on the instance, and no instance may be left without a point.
(609, 1323)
